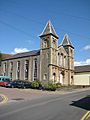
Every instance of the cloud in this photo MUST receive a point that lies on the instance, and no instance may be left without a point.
(20, 50)
(87, 47)
(80, 63)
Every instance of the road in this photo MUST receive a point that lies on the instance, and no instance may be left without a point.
(71, 106)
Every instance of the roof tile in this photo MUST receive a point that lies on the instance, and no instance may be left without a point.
(24, 54)
(85, 68)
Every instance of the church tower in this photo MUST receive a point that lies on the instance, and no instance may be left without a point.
(66, 43)
(48, 52)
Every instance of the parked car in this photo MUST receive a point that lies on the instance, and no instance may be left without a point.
(4, 80)
(19, 84)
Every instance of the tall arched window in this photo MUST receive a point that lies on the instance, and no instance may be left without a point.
(11, 69)
(62, 77)
(18, 70)
(26, 69)
(4, 68)
(64, 61)
(54, 43)
(54, 77)
(35, 69)
(11, 66)
(45, 43)
(61, 59)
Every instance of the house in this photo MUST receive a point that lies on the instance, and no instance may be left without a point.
(51, 63)
(82, 75)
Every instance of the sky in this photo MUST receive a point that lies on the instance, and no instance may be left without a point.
(22, 21)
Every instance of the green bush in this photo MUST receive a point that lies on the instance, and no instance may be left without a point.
(50, 87)
(36, 84)
(58, 85)
(39, 82)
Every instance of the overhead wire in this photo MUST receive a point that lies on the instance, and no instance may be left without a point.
(17, 29)
(22, 16)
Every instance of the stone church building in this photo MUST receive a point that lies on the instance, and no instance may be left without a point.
(50, 63)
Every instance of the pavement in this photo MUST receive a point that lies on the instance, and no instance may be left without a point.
(19, 95)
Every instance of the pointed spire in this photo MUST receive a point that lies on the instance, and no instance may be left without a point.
(66, 41)
(49, 29)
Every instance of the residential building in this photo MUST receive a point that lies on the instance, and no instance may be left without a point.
(82, 75)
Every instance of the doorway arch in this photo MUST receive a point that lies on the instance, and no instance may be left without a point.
(62, 78)
(54, 77)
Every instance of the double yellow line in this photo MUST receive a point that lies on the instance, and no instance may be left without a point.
(5, 99)
(86, 116)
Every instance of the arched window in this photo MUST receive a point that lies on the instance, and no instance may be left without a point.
(58, 59)
(11, 66)
(61, 59)
(11, 75)
(64, 61)
(26, 69)
(62, 77)
(4, 68)
(11, 69)
(35, 68)
(54, 43)
(54, 77)
(18, 70)
(45, 77)
(45, 43)
(71, 80)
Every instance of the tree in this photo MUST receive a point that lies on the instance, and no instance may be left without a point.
(0, 58)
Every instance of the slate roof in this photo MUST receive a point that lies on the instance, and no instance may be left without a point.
(66, 41)
(85, 68)
(24, 54)
(49, 29)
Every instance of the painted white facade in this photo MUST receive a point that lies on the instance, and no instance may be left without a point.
(82, 79)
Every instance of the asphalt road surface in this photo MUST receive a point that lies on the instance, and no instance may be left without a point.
(70, 106)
